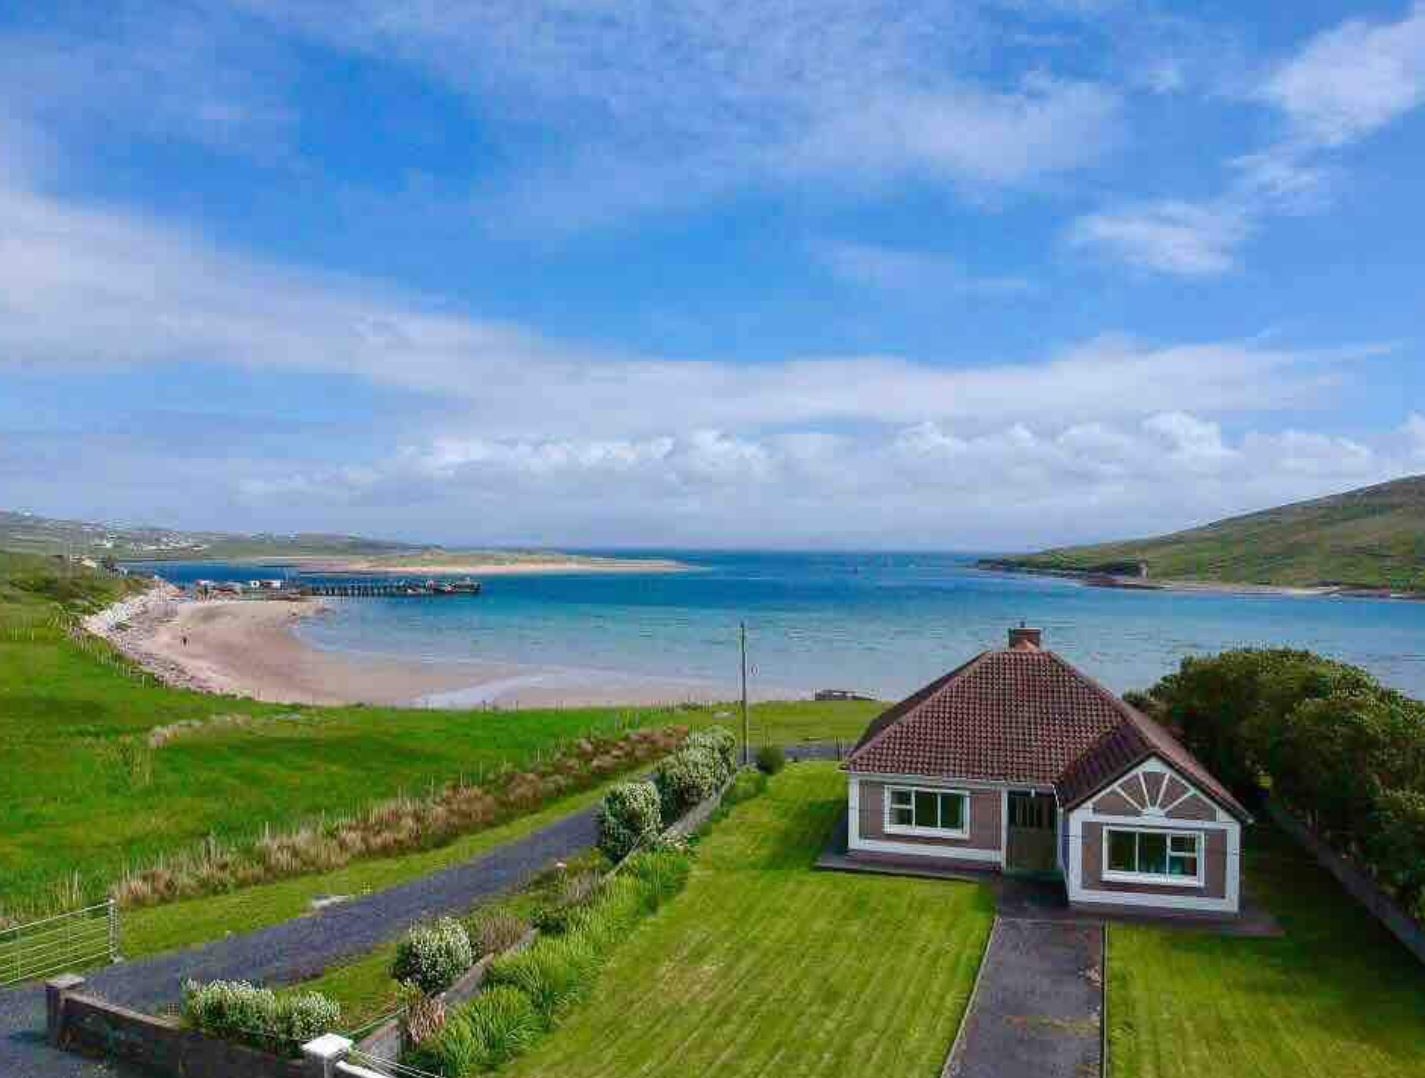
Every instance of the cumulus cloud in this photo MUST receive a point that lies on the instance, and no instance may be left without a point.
(1180, 238)
(925, 484)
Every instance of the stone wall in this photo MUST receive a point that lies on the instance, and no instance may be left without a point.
(1358, 884)
(90, 1026)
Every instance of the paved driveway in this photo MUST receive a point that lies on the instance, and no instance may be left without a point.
(1038, 1005)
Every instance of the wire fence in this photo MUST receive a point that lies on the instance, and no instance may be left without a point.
(59, 944)
(358, 1062)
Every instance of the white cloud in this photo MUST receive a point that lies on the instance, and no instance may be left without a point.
(1414, 431)
(1180, 238)
(897, 269)
(1352, 80)
(1015, 485)
(659, 102)
(86, 287)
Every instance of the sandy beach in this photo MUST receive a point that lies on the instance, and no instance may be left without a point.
(248, 648)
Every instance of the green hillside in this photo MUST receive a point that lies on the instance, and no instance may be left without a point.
(1371, 538)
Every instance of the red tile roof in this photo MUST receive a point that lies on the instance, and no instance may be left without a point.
(1026, 717)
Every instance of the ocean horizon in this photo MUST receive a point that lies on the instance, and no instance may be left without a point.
(875, 623)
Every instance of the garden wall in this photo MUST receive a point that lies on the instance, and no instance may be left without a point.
(91, 1026)
(1358, 884)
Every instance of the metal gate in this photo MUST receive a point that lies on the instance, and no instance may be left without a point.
(58, 944)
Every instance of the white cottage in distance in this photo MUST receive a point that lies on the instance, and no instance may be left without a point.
(1017, 761)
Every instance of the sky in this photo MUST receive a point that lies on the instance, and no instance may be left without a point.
(704, 273)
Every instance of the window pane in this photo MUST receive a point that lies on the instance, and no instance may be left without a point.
(925, 802)
(1184, 843)
(1121, 851)
(900, 798)
(1153, 853)
(952, 811)
(1182, 865)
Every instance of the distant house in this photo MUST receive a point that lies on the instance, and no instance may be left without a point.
(1019, 762)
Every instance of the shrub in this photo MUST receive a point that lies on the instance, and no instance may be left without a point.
(690, 775)
(433, 956)
(771, 759)
(628, 818)
(721, 742)
(242, 1012)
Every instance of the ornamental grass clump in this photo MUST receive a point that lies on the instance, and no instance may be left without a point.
(432, 957)
(242, 1012)
(771, 759)
(490, 1030)
(629, 817)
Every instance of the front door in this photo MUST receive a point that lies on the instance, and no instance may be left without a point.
(1030, 843)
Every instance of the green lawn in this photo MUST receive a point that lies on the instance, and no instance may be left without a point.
(1336, 998)
(764, 966)
(82, 794)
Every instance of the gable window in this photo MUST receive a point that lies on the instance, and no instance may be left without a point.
(912, 810)
(1168, 857)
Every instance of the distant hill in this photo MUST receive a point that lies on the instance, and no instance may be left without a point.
(26, 533)
(1372, 538)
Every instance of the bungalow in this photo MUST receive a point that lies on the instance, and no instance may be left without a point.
(1018, 762)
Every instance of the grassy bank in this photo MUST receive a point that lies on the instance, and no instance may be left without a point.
(85, 793)
(1336, 998)
(764, 966)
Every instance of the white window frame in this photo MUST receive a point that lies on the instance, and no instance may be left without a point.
(1155, 879)
(925, 832)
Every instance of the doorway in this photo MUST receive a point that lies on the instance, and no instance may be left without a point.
(1032, 838)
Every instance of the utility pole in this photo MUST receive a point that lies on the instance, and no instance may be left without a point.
(746, 746)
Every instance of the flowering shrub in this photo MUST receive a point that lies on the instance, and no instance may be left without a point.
(629, 816)
(433, 956)
(721, 742)
(242, 1012)
(690, 775)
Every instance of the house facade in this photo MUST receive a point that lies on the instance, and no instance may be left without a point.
(1019, 762)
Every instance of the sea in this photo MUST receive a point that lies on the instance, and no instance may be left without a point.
(874, 623)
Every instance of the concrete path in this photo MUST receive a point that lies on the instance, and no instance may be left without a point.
(291, 951)
(1037, 1006)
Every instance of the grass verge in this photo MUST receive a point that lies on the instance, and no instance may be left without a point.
(1336, 998)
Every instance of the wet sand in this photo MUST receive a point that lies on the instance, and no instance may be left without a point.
(249, 648)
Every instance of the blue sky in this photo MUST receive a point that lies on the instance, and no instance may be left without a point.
(831, 273)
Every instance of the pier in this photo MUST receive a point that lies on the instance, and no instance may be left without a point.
(336, 589)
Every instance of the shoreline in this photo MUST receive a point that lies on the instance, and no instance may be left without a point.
(250, 648)
(1090, 579)
(533, 566)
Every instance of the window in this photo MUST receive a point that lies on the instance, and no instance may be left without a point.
(941, 813)
(1152, 856)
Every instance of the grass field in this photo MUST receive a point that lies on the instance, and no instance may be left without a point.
(1336, 998)
(84, 794)
(764, 966)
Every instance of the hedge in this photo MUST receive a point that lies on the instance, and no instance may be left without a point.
(1327, 740)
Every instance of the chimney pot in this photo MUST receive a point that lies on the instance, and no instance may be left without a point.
(1023, 638)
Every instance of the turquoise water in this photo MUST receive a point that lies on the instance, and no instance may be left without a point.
(878, 623)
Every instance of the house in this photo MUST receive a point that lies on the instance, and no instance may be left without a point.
(1018, 762)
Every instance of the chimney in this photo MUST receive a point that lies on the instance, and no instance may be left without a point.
(1025, 639)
